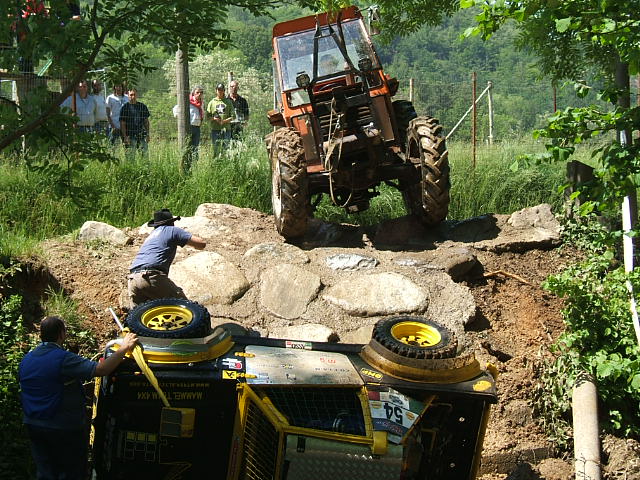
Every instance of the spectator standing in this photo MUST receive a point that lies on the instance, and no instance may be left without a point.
(241, 108)
(84, 107)
(54, 403)
(102, 120)
(149, 272)
(115, 102)
(196, 116)
(220, 111)
(134, 123)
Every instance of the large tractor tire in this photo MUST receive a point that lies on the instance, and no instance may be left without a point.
(290, 188)
(426, 148)
(417, 349)
(170, 318)
(404, 112)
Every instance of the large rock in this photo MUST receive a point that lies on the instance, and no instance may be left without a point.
(286, 290)
(377, 294)
(455, 261)
(208, 277)
(201, 226)
(104, 232)
(534, 227)
(450, 303)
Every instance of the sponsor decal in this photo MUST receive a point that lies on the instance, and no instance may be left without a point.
(482, 385)
(298, 345)
(232, 363)
(371, 373)
(229, 375)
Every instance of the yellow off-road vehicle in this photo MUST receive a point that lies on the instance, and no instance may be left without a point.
(408, 405)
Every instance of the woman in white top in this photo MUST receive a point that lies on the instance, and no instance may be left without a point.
(196, 114)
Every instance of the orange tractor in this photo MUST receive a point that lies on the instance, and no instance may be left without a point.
(342, 134)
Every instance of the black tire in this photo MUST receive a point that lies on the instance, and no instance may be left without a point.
(415, 337)
(170, 318)
(404, 112)
(426, 149)
(290, 187)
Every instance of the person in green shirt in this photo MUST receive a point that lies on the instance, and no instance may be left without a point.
(220, 112)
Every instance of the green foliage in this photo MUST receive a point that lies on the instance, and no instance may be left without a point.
(15, 341)
(133, 189)
(58, 304)
(599, 339)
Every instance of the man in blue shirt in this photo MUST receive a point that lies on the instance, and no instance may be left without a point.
(54, 402)
(149, 272)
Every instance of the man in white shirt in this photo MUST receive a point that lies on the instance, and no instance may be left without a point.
(114, 102)
(83, 106)
(102, 122)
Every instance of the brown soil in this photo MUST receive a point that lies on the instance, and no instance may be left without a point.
(516, 320)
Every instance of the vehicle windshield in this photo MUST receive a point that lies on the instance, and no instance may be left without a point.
(296, 52)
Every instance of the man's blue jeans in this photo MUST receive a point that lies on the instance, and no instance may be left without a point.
(59, 454)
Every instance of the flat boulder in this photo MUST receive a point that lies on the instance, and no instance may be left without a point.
(207, 277)
(377, 294)
(286, 290)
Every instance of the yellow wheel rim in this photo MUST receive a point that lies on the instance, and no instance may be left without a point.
(416, 334)
(168, 317)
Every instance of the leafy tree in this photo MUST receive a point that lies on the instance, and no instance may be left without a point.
(570, 36)
(108, 32)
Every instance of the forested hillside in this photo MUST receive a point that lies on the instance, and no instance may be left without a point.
(439, 60)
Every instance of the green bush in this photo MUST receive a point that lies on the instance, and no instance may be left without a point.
(599, 340)
(15, 459)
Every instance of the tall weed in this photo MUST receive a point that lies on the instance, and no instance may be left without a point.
(126, 192)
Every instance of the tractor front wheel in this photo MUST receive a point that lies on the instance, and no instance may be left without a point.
(290, 189)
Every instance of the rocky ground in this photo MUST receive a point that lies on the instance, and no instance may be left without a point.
(481, 278)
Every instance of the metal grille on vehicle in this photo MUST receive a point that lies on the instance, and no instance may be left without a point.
(329, 409)
(260, 451)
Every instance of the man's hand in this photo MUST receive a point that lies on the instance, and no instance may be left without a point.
(129, 341)
(110, 363)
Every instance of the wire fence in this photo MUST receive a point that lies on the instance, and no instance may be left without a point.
(517, 109)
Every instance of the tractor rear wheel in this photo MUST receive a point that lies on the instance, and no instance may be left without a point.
(404, 112)
(290, 188)
(426, 148)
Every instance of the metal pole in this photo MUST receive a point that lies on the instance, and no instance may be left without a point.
(229, 78)
(490, 104)
(411, 89)
(474, 81)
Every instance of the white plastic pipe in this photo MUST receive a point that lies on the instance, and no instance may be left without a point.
(586, 437)
(627, 245)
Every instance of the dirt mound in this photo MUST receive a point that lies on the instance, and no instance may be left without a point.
(514, 321)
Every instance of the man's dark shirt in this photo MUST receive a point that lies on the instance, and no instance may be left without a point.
(242, 108)
(134, 114)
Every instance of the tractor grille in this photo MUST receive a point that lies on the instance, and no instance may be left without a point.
(329, 409)
(356, 117)
(260, 451)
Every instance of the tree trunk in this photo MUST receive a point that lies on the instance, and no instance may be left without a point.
(182, 88)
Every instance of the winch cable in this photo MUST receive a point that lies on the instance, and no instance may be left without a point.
(328, 164)
(138, 356)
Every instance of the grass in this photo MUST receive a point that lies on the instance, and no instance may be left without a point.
(127, 192)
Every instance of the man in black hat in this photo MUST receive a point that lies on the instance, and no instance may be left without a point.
(149, 271)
